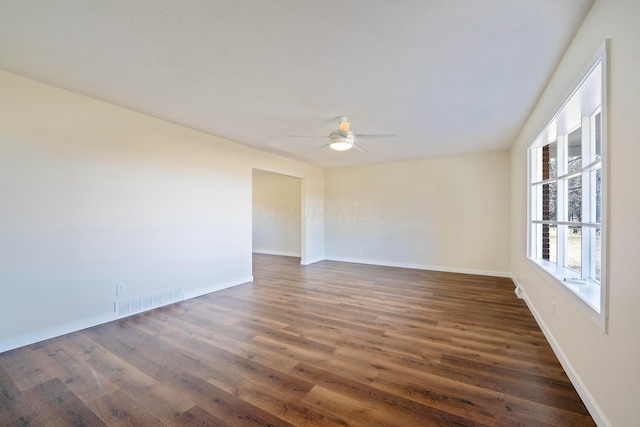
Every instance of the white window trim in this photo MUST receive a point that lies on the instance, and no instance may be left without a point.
(585, 297)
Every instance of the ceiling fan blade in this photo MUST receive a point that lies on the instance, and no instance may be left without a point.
(376, 135)
(359, 147)
(308, 136)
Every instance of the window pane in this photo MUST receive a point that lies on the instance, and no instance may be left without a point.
(598, 255)
(599, 196)
(598, 135)
(574, 249)
(550, 161)
(593, 200)
(553, 243)
(536, 236)
(546, 166)
(574, 199)
(536, 202)
(546, 246)
(574, 147)
(549, 201)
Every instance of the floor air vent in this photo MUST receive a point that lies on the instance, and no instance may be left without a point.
(125, 308)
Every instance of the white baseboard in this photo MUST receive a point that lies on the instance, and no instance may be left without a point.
(311, 261)
(587, 398)
(421, 267)
(291, 254)
(216, 287)
(67, 328)
(519, 291)
(54, 331)
(280, 253)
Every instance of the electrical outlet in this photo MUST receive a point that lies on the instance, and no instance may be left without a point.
(120, 289)
(554, 309)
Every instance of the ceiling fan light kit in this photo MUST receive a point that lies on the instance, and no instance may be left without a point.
(340, 142)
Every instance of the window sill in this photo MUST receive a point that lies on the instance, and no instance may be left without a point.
(588, 291)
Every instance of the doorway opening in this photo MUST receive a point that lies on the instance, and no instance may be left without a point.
(277, 214)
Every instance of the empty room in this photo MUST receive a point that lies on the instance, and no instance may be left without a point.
(354, 213)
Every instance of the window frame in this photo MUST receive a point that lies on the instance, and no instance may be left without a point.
(590, 296)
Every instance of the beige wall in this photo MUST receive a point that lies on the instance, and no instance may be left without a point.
(93, 195)
(447, 213)
(277, 214)
(604, 367)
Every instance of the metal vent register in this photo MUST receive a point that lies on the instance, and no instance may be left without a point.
(137, 305)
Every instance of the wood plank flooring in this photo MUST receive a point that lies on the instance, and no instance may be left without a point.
(325, 344)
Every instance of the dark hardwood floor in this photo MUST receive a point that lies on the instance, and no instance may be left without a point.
(326, 344)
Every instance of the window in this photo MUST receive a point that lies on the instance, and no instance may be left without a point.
(566, 181)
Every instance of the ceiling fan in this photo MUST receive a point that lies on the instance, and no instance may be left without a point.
(343, 139)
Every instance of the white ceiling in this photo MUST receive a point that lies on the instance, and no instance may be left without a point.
(446, 76)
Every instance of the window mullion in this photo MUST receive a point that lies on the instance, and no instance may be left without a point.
(561, 213)
(586, 232)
